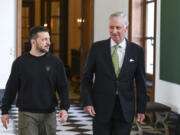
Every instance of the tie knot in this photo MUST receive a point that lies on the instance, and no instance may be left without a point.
(117, 46)
(115, 49)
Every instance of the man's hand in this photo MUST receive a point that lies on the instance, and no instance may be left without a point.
(5, 120)
(140, 117)
(63, 115)
(90, 110)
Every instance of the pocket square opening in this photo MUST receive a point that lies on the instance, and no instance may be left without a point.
(131, 60)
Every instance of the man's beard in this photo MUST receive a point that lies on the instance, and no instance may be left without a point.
(41, 50)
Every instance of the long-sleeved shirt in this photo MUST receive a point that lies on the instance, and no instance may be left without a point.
(35, 81)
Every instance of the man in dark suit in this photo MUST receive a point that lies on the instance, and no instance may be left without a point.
(108, 81)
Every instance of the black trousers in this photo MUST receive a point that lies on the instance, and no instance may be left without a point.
(116, 126)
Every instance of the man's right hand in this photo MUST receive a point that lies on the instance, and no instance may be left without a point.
(90, 110)
(5, 120)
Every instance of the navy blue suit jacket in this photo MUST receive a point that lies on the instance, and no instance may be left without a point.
(100, 90)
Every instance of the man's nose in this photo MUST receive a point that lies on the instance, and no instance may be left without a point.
(114, 30)
(49, 42)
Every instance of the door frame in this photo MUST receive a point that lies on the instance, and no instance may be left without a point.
(87, 31)
(19, 28)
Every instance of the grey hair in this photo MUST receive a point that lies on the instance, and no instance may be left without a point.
(121, 15)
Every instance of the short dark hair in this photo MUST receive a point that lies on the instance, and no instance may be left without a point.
(34, 30)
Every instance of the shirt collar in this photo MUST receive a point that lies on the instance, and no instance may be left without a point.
(122, 44)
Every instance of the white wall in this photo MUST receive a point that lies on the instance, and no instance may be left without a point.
(102, 11)
(165, 92)
(7, 38)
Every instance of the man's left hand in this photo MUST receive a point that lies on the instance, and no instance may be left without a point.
(63, 115)
(140, 117)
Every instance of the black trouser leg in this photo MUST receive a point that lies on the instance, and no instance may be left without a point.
(119, 125)
(115, 126)
(101, 128)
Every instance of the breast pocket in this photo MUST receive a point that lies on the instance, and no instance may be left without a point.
(132, 65)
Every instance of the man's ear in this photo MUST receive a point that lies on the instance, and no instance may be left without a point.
(33, 42)
(126, 28)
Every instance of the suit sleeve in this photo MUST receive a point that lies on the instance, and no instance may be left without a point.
(11, 89)
(140, 84)
(62, 87)
(87, 78)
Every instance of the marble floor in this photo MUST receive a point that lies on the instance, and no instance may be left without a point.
(78, 123)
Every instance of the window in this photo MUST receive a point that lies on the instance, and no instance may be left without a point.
(142, 31)
(149, 35)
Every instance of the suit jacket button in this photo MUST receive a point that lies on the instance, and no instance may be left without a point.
(117, 83)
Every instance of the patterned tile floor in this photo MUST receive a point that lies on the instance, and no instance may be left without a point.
(78, 123)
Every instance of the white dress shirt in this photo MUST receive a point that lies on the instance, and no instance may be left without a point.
(121, 51)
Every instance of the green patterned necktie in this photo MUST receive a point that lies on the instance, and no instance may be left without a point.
(115, 59)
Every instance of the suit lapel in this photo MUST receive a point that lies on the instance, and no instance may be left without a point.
(126, 58)
(109, 58)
